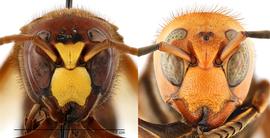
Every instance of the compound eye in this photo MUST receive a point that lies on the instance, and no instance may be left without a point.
(172, 68)
(238, 66)
(230, 34)
(177, 34)
(102, 69)
(96, 35)
(44, 35)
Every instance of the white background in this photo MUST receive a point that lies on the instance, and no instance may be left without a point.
(139, 20)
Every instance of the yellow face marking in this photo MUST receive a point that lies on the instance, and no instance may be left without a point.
(70, 53)
(71, 85)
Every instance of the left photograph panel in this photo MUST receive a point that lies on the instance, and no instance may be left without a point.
(69, 74)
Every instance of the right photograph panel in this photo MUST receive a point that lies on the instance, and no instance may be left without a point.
(199, 79)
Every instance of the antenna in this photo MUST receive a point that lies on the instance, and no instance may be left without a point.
(68, 4)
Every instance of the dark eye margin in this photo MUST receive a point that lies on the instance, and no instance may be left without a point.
(96, 35)
(177, 34)
(44, 35)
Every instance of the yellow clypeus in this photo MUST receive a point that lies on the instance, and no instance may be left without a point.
(71, 85)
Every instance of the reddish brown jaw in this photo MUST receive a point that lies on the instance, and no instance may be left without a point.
(60, 114)
(204, 118)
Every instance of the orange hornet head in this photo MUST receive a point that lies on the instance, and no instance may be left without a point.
(206, 90)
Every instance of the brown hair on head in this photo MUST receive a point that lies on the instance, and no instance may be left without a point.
(74, 13)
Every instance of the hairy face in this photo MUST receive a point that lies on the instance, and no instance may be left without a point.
(70, 86)
(207, 91)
